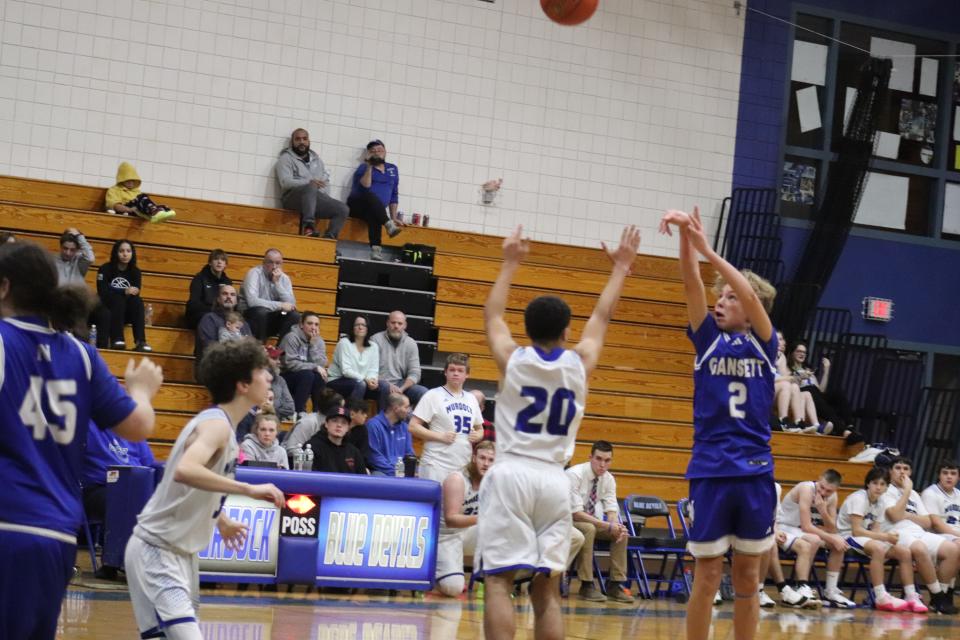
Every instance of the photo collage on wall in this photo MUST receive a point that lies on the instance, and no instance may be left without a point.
(799, 183)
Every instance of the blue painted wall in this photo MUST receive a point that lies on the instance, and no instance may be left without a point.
(923, 281)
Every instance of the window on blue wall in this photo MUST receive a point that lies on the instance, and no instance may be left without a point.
(917, 148)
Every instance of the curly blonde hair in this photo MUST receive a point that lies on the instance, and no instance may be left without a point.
(764, 290)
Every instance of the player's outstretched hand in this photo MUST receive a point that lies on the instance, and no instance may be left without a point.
(144, 376)
(626, 252)
(695, 233)
(267, 492)
(515, 247)
(233, 533)
(675, 217)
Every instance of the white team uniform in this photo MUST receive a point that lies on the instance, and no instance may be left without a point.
(454, 544)
(444, 412)
(858, 503)
(176, 524)
(525, 520)
(945, 505)
(788, 516)
(908, 530)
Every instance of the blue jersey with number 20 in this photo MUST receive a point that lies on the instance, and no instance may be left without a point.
(51, 386)
(540, 404)
(733, 394)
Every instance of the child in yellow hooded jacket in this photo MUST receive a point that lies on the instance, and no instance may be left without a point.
(126, 198)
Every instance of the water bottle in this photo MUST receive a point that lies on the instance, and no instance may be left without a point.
(148, 316)
(93, 335)
(398, 468)
(308, 457)
(298, 456)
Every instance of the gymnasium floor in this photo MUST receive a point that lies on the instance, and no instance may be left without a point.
(228, 614)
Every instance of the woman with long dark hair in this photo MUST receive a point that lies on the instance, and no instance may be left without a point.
(51, 386)
(355, 369)
(118, 285)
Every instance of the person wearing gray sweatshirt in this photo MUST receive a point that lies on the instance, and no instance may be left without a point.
(261, 443)
(305, 187)
(266, 298)
(399, 359)
(73, 262)
(304, 361)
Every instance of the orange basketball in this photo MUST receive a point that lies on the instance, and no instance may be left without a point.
(569, 12)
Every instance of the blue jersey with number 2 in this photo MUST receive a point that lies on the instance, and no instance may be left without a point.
(51, 386)
(540, 404)
(733, 394)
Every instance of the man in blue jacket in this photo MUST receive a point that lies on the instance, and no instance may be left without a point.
(389, 437)
(374, 191)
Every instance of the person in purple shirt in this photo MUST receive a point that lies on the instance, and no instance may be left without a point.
(374, 191)
(389, 436)
(51, 387)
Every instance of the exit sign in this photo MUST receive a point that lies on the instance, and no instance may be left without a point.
(877, 309)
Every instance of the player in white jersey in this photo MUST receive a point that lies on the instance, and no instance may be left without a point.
(449, 421)
(178, 521)
(525, 521)
(857, 523)
(808, 517)
(942, 500)
(936, 559)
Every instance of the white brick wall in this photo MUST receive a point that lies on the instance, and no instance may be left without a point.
(591, 127)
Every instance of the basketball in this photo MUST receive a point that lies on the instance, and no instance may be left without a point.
(569, 12)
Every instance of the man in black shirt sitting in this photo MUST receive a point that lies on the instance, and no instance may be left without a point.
(330, 452)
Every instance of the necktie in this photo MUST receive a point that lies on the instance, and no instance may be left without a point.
(591, 503)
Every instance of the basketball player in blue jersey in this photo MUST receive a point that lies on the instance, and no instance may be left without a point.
(524, 524)
(51, 386)
(731, 469)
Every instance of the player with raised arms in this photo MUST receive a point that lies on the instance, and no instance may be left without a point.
(177, 523)
(732, 491)
(51, 387)
(524, 524)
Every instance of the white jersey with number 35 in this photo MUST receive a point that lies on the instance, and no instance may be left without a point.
(540, 404)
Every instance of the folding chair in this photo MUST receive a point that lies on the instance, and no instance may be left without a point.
(640, 509)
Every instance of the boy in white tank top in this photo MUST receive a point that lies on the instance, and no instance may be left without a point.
(524, 525)
(178, 521)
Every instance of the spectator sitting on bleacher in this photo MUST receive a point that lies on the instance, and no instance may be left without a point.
(126, 198)
(309, 424)
(261, 443)
(245, 426)
(75, 257)
(267, 299)
(232, 327)
(282, 399)
(355, 370)
(305, 187)
(834, 410)
(208, 331)
(106, 449)
(593, 497)
(389, 436)
(803, 411)
(358, 435)
(374, 191)
(399, 359)
(332, 453)
(304, 361)
(205, 287)
(118, 285)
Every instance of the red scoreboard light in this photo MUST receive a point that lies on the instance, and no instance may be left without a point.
(877, 309)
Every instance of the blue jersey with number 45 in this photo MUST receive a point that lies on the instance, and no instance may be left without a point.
(540, 404)
(51, 385)
(733, 394)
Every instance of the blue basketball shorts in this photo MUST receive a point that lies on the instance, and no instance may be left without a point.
(34, 573)
(732, 512)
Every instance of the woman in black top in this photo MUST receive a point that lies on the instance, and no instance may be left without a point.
(118, 285)
(205, 287)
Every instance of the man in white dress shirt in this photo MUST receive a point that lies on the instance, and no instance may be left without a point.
(597, 516)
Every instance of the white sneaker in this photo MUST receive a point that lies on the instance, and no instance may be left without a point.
(766, 601)
(813, 601)
(717, 599)
(836, 599)
(376, 253)
(790, 598)
(869, 454)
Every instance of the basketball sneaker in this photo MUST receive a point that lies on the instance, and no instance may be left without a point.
(766, 601)
(915, 605)
(717, 599)
(589, 592)
(890, 603)
(789, 597)
(836, 599)
(813, 600)
(943, 603)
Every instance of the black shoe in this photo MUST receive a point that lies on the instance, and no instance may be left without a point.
(143, 346)
(106, 573)
(853, 438)
(943, 603)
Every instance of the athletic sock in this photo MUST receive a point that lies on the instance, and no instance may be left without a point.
(944, 587)
(833, 577)
(879, 591)
(933, 587)
(909, 592)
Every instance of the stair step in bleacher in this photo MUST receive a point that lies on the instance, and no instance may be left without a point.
(175, 368)
(386, 274)
(386, 299)
(462, 317)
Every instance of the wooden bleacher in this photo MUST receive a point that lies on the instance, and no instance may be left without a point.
(640, 395)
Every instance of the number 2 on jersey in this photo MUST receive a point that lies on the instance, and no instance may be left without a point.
(560, 414)
(738, 398)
